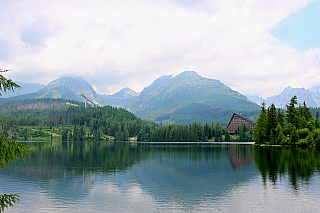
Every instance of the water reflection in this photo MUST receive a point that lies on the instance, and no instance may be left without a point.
(153, 177)
(61, 159)
(299, 164)
(190, 173)
(185, 172)
(240, 156)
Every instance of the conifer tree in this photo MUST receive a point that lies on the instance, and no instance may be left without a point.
(291, 111)
(260, 130)
(271, 120)
(280, 137)
(10, 150)
(317, 121)
(280, 117)
(218, 132)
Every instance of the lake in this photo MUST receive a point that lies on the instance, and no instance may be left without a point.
(163, 177)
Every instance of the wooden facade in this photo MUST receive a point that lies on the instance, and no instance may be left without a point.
(236, 121)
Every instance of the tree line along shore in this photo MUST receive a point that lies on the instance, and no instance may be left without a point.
(58, 120)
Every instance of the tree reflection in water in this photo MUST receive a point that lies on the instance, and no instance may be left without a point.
(61, 159)
(298, 163)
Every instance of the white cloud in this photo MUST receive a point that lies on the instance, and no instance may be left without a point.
(114, 44)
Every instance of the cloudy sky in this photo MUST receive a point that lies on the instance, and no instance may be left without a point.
(253, 46)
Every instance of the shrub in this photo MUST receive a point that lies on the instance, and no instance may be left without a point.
(317, 141)
(294, 137)
(303, 133)
(302, 143)
(309, 140)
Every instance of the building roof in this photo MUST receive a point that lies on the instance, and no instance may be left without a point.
(247, 119)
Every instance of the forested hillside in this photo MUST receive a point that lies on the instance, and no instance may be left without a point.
(45, 119)
(29, 104)
(204, 113)
(105, 120)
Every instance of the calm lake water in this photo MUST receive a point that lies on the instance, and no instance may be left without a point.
(148, 177)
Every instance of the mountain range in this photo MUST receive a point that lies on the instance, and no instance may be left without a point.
(185, 98)
(189, 97)
(310, 96)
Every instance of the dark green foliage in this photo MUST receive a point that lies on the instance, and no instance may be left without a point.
(298, 127)
(305, 112)
(280, 137)
(108, 121)
(7, 201)
(281, 117)
(294, 137)
(218, 132)
(244, 132)
(260, 130)
(303, 133)
(10, 150)
(272, 121)
(64, 135)
(101, 121)
(291, 111)
(227, 137)
(288, 129)
(193, 132)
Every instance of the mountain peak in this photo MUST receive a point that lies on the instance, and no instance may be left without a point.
(126, 89)
(302, 94)
(156, 84)
(187, 72)
(168, 94)
(125, 92)
(71, 87)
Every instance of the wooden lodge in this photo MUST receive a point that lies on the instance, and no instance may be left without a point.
(236, 121)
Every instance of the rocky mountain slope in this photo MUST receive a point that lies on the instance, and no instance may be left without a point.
(303, 95)
(65, 87)
(310, 96)
(185, 98)
(168, 95)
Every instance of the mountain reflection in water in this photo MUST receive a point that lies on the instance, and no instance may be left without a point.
(184, 175)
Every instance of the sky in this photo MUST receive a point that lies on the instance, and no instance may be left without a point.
(257, 47)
